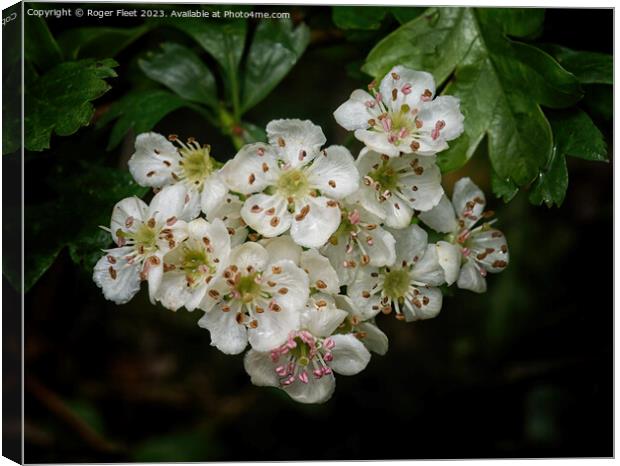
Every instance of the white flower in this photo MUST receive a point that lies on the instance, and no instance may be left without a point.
(158, 163)
(229, 211)
(359, 241)
(393, 187)
(471, 251)
(292, 183)
(409, 286)
(144, 234)
(304, 365)
(255, 299)
(361, 323)
(191, 268)
(402, 115)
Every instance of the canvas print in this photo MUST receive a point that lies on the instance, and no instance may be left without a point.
(296, 232)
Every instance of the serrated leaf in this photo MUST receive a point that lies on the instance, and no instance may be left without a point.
(98, 42)
(501, 83)
(181, 70)
(140, 112)
(275, 49)
(40, 47)
(60, 100)
(503, 188)
(355, 17)
(588, 67)
(551, 185)
(577, 135)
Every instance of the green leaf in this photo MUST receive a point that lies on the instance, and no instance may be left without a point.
(551, 185)
(588, 67)
(577, 135)
(599, 101)
(223, 39)
(180, 69)
(252, 133)
(40, 47)
(275, 49)
(404, 14)
(60, 100)
(525, 23)
(501, 83)
(198, 445)
(140, 112)
(72, 220)
(355, 17)
(503, 187)
(98, 42)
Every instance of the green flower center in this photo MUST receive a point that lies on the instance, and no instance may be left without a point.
(247, 288)
(197, 165)
(145, 236)
(396, 283)
(196, 262)
(386, 176)
(344, 229)
(402, 120)
(300, 352)
(293, 183)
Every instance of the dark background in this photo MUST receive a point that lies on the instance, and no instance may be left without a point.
(524, 370)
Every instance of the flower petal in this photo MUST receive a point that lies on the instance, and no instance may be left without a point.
(380, 246)
(427, 270)
(314, 392)
(273, 328)
(154, 160)
(441, 218)
(411, 242)
(397, 213)
(361, 291)
(249, 254)
(213, 193)
(267, 214)
(377, 141)
(449, 256)
(168, 203)
(490, 249)
(321, 317)
(429, 301)
(422, 185)
(374, 339)
(261, 369)
(420, 84)
(468, 200)
(118, 280)
(298, 141)
(355, 112)
(471, 279)
(253, 169)
(318, 224)
(346, 304)
(154, 268)
(282, 247)
(173, 291)
(127, 215)
(350, 355)
(191, 209)
(445, 108)
(322, 275)
(334, 173)
(291, 287)
(226, 334)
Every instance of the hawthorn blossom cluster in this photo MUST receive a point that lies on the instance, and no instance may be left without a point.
(293, 249)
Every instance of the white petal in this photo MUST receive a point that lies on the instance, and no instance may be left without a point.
(374, 339)
(449, 256)
(322, 275)
(298, 141)
(154, 273)
(366, 197)
(178, 231)
(213, 193)
(334, 173)
(291, 288)
(429, 300)
(127, 215)
(320, 222)
(168, 203)
(397, 213)
(273, 328)
(468, 200)
(410, 243)
(490, 249)
(118, 280)
(191, 209)
(346, 304)
(226, 334)
(366, 160)
(427, 270)
(217, 236)
(173, 291)
(337, 255)
(444, 108)
(422, 185)
(377, 141)
(471, 279)
(267, 214)
(358, 291)
(154, 160)
(354, 113)
(441, 218)
(315, 391)
(282, 247)
(350, 355)
(382, 250)
(249, 254)
(420, 82)
(323, 320)
(251, 170)
(261, 369)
